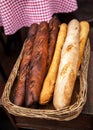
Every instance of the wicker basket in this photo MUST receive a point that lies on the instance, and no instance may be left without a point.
(64, 114)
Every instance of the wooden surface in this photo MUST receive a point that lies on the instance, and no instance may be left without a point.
(83, 122)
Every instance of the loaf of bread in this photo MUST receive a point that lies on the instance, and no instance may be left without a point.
(32, 30)
(38, 65)
(53, 33)
(50, 79)
(67, 71)
(19, 94)
(84, 32)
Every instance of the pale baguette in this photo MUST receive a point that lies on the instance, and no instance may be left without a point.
(68, 66)
(49, 82)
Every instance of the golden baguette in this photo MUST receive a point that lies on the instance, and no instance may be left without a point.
(49, 82)
(84, 31)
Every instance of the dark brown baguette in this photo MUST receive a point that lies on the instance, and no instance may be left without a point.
(24, 66)
(38, 65)
(53, 33)
(32, 31)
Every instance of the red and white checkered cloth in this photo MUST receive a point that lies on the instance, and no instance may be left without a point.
(15, 14)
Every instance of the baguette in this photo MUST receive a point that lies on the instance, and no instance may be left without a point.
(68, 66)
(84, 31)
(24, 66)
(49, 82)
(38, 66)
(53, 33)
(32, 30)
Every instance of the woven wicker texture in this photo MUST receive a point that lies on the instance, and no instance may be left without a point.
(64, 114)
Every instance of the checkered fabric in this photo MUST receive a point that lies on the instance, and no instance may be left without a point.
(15, 14)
